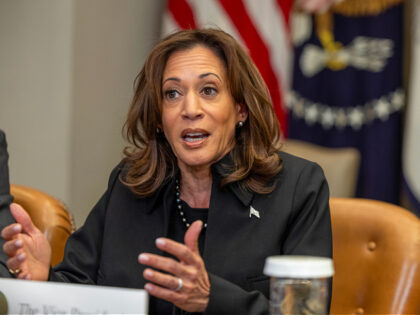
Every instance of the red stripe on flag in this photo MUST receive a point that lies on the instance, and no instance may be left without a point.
(182, 13)
(286, 8)
(258, 51)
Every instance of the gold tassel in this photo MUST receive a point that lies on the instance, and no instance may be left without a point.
(363, 7)
(324, 29)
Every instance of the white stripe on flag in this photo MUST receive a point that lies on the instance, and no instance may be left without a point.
(411, 149)
(210, 13)
(271, 25)
(169, 24)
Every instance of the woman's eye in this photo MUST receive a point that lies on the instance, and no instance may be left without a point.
(171, 94)
(209, 91)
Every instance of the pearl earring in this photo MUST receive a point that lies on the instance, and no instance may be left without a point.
(240, 124)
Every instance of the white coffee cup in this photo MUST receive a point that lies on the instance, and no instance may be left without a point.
(298, 284)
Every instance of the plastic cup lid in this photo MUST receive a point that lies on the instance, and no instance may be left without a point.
(298, 267)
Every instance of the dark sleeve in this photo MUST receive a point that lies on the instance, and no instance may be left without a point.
(5, 200)
(229, 298)
(83, 248)
(308, 233)
(310, 224)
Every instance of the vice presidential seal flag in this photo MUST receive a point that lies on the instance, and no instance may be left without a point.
(347, 88)
(262, 27)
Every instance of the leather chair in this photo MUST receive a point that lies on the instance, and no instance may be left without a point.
(49, 215)
(337, 163)
(376, 252)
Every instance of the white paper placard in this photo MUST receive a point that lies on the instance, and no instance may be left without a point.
(35, 297)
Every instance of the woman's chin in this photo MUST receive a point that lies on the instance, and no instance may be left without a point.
(195, 161)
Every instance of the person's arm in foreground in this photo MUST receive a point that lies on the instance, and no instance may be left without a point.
(5, 200)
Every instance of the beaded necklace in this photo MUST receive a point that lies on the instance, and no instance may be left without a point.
(180, 208)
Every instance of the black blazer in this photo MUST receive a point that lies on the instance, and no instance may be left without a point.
(5, 200)
(294, 220)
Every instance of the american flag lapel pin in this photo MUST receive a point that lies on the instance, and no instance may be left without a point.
(253, 211)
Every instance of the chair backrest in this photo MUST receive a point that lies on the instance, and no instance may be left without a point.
(48, 214)
(340, 165)
(376, 252)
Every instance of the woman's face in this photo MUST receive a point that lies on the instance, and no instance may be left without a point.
(199, 114)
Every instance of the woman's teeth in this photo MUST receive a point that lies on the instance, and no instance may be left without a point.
(193, 137)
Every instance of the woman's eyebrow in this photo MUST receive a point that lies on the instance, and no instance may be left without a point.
(172, 79)
(209, 73)
(201, 76)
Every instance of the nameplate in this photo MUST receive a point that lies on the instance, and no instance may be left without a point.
(35, 297)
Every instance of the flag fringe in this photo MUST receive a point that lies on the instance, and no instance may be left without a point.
(363, 7)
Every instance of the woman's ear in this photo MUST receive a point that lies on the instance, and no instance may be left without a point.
(242, 112)
(159, 129)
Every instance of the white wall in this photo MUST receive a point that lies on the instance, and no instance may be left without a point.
(35, 91)
(66, 80)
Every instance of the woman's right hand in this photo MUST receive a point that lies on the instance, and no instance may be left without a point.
(28, 250)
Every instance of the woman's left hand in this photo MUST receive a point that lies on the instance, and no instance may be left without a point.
(185, 283)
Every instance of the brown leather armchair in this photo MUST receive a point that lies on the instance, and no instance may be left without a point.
(49, 215)
(376, 252)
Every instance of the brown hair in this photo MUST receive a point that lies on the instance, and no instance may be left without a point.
(149, 161)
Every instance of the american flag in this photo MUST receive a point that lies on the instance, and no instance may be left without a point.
(411, 152)
(260, 26)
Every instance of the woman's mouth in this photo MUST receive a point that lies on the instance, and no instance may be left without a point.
(195, 136)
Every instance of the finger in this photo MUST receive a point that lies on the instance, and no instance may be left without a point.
(11, 247)
(16, 262)
(11, 231)
(22, 217)
(164, 280)
(192, 235)
(179, 250)
(162, 293)
(24, 275)
(163, 263)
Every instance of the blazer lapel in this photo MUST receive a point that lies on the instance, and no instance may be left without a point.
(228, 218)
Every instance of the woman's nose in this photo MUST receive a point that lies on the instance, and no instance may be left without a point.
(192, 107)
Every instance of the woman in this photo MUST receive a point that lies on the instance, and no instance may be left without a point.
(205, 150)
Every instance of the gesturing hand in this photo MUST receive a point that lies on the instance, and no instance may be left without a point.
(28, 250)
(185, 283)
